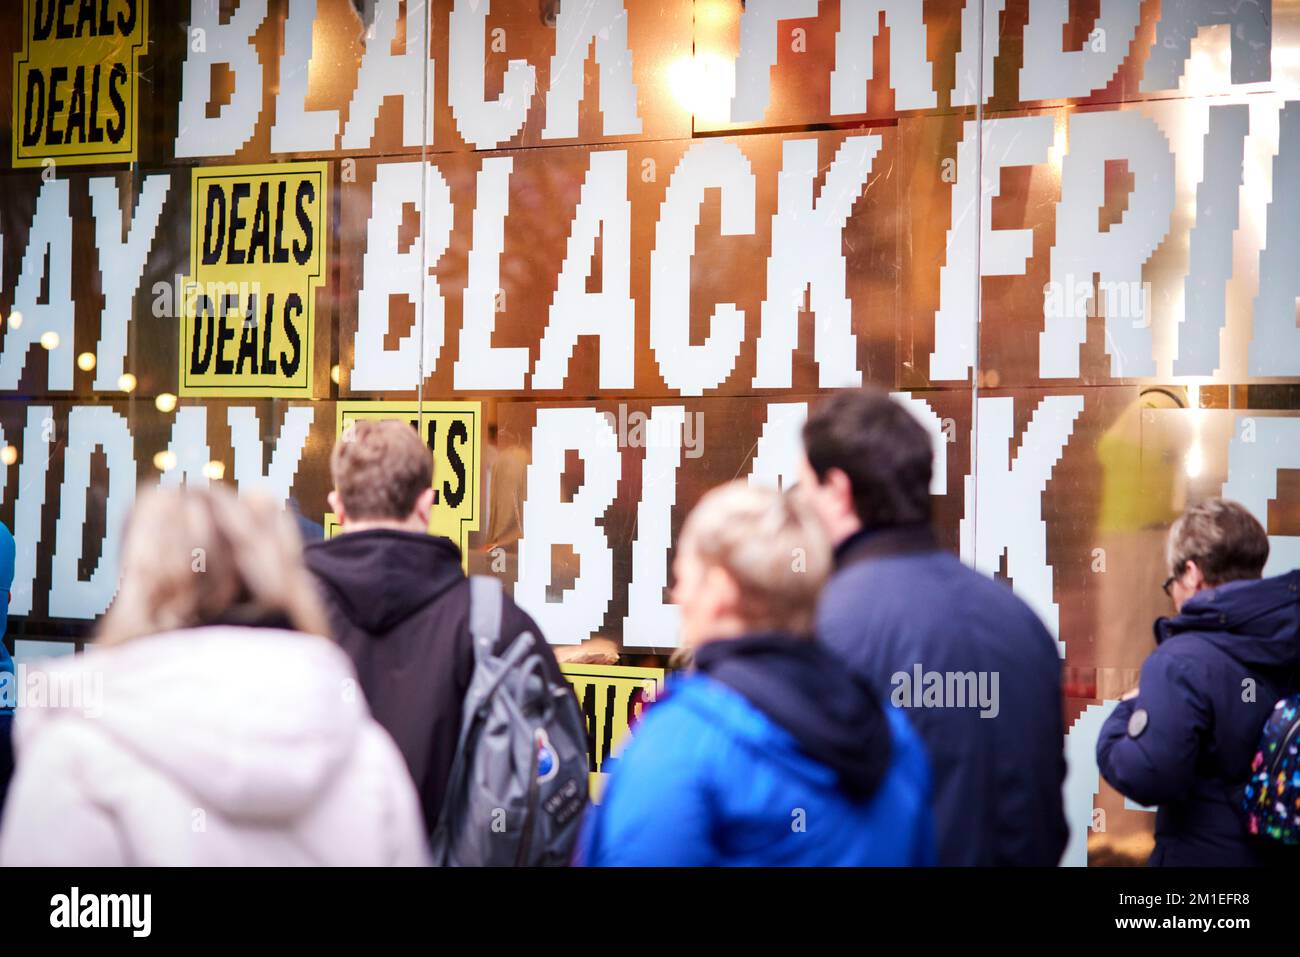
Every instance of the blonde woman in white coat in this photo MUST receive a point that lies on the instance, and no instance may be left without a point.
(216, 725)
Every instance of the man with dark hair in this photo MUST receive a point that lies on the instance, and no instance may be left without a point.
(398, 599)
(1185, 738)
(977, 673)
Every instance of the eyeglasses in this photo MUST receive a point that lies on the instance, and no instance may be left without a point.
(1169, 582)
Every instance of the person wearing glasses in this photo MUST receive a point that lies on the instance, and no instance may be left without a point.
(1183, 740)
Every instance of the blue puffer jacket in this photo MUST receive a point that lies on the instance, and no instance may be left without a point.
(6, 722)
(711, 778)
(8, 552)
(1186, 741)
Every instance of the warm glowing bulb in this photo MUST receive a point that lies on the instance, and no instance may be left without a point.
(703, 84)
(15, 319)
(86, 361)
(8, 455)
(215, 470)
(126, 382)
(164, 461)
(166, 402)
(50, 340)
(334, 375)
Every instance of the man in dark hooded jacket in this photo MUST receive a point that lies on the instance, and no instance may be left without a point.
(1184, 740)
(961, 656)
(771, 754)
(398, 600)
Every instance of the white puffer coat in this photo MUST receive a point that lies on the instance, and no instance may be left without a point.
(213, 746)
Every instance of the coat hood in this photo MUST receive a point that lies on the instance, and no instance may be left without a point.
(254, 723)
(1257, 622)
(833, 718)
(380, 577)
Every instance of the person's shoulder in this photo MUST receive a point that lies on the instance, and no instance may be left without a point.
(998, 602)
(689, 745)
(317, 547)
(322, 560)
(1185, 652)
(63, 745)
(892, 579)
(997, 594)
(851, 591)
(694, 711)
(515, 620)
(672, 742)
(8, 556)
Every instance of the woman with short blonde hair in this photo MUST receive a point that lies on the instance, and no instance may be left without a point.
(771, 548)
(769, 752)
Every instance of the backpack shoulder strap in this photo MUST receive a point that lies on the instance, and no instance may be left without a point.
(485, 600)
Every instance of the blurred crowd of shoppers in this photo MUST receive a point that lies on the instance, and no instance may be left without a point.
(263, 703)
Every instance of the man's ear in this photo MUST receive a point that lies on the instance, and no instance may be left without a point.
(837, 480)
(336, 506)
(424, 506)
(1193, 577)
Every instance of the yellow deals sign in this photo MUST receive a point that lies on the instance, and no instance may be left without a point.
(75, 85)
(257, 257)
(612, 698)
(453, 431)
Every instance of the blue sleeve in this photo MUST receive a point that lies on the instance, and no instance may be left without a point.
(7, 692)
(8, 557)
(912, 760)
(1159, 764)
(656, 811)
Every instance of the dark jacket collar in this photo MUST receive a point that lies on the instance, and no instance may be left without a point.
(1255, 621)
(873, 543)
(381, 576)
(804, 689)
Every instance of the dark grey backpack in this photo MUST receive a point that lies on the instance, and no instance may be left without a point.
(518, 784)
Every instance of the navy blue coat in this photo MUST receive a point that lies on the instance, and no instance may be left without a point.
(896, 601)
(1206, 691)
